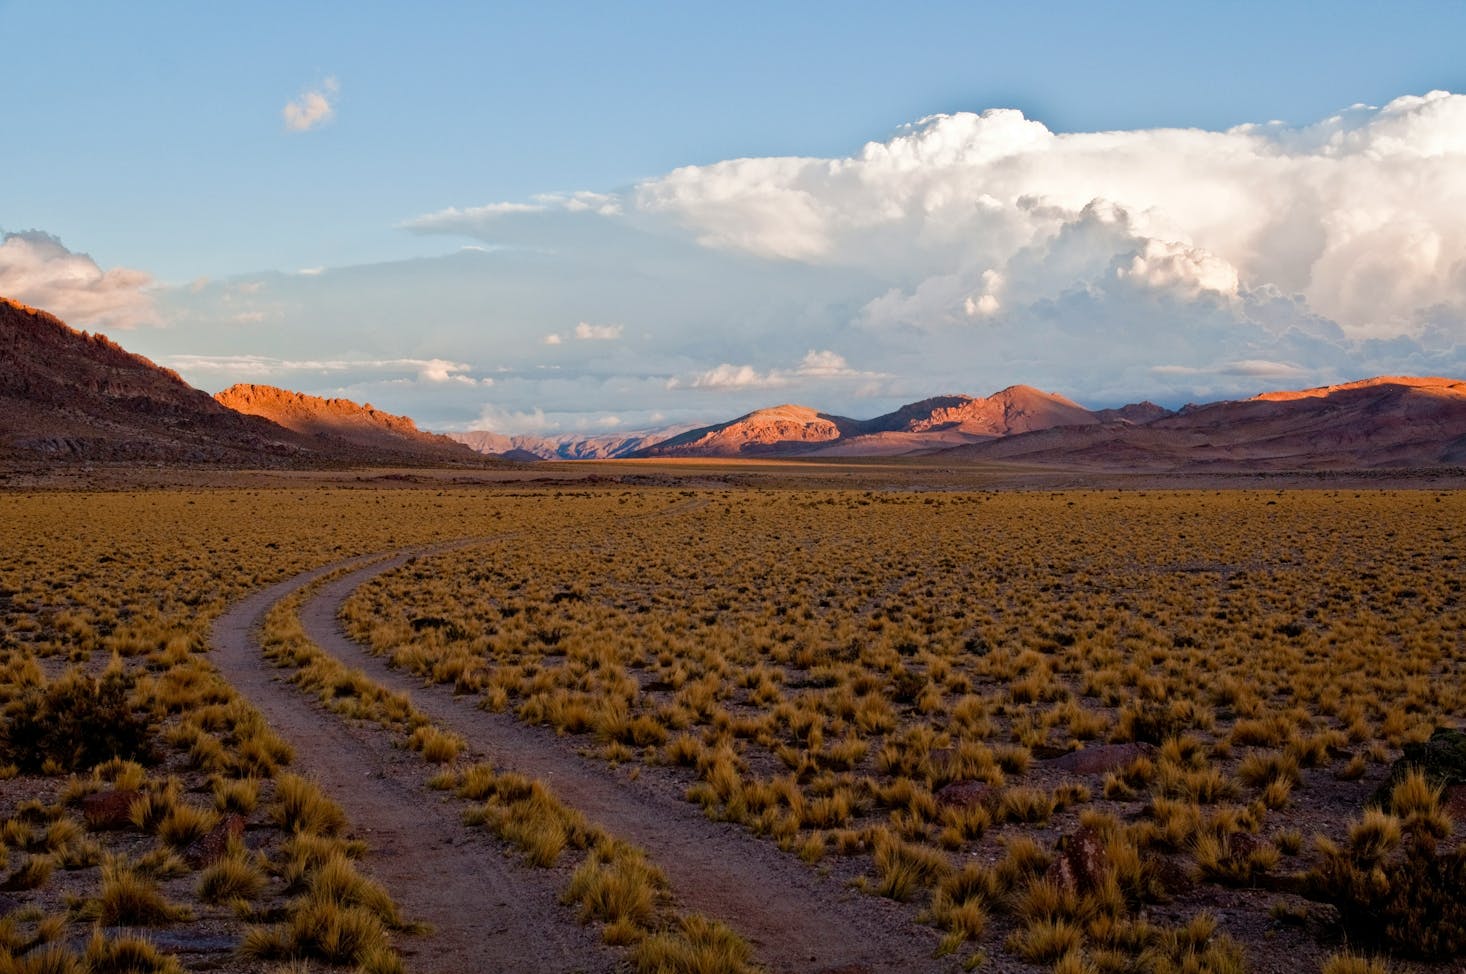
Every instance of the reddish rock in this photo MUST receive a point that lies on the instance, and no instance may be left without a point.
(108, 810)
(210, 847)
(1454, 802)
(966, 794)
(1102, 758)
(1080, 865)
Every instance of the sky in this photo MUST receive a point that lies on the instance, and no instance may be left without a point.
(562, 217)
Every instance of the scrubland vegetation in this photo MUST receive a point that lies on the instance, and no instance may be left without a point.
(1089, 731)
(1093, 731)
(612, 884)
(141, 799)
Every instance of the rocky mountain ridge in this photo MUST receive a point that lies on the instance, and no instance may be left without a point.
(931, 424)
(357, 425)
(67, 396)
(1383, 422)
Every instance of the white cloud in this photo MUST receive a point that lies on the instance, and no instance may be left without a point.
(823, 363)
(433, 370)
(816, 364)
(486, 218)
(1254, 368)
(36, 268)
(494, 417)
(1359, 213)
(584, 201)
(965, 253)
(454, 220)
(312, 108)
(1165, 264)
(728, 376)
(587, 332)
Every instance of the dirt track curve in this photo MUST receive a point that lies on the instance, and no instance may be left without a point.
(487, 913)
(796, 919)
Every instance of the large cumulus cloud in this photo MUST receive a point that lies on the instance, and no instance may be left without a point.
(965, 253)
(1359, 213)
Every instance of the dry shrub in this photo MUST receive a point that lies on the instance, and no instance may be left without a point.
(76, 722)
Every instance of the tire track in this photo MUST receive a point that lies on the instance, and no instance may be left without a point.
(487, 913)
(796, 920)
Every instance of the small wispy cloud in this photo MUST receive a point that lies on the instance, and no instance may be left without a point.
(477, 218)
(312, 108)
(587, 332)
(435, 370)
(816, 364)
(1250, 368)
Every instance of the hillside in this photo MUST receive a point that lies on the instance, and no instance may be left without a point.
(778, 431)
(931, 424)
(1389, 421)
(66, 395)
(71, 397)
(362, 427)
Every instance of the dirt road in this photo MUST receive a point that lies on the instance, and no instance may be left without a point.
(797, 919)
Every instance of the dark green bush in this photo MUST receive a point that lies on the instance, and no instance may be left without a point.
(76, 722)
(1413, 903)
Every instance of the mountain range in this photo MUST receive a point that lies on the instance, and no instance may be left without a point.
(66, 395)
(1389, 421)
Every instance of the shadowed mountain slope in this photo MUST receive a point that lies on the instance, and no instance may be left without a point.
(68, 395)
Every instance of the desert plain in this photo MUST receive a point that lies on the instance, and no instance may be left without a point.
(731, 715)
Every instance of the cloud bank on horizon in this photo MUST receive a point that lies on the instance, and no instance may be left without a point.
(966, 252)
(38, 269)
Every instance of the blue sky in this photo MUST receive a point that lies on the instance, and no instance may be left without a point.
(637, 276)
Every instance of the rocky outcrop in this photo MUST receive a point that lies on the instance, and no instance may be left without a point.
(1081, 865)
(362, 426)
(1102, 758)
(210, 847)
(105, 811)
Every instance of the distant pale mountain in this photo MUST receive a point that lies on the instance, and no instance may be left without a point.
(925, 426)
(607, 446)
(340, 420)
(1390, 421)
